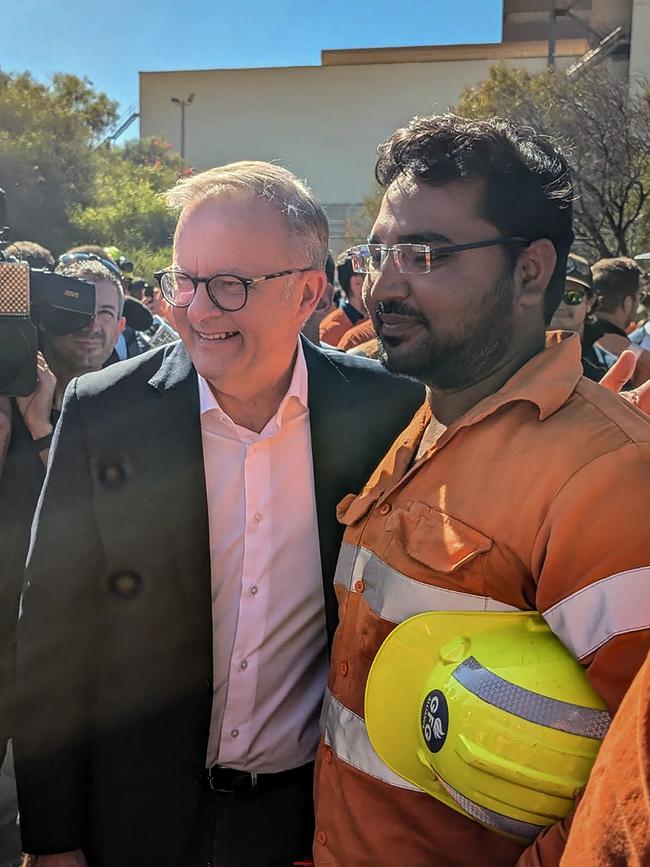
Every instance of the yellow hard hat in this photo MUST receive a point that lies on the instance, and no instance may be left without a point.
(487, 712)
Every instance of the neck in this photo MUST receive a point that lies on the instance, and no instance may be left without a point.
(617, 319)
(448, 406)
(64, 377)
(254, 410)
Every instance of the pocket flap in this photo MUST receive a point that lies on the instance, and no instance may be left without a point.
(435, 539)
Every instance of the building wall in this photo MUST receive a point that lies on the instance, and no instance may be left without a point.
(640, 46)
(324, 123)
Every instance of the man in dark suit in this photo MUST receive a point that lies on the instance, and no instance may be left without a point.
(178, 603)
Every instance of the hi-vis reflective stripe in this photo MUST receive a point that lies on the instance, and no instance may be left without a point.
(394, 596)
(612, 606)
(345, 733)
(574, 719)
(497, 821)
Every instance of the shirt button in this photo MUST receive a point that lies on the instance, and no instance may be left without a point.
(385, 509)
(257, 517)
(344, 668)
(360, 586)
(328, 756)
(321, 837)
(243, 664)
(234, 733)
(253, 590)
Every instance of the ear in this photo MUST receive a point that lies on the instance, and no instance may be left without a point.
(533, 272)
(121, 325)
(313, 287)
(326, 298)
(629, 305)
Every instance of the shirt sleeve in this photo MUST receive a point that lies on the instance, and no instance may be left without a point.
(592, 564)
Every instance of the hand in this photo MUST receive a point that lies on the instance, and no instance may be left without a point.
(37, 408)
(64, 859)
(620, 373)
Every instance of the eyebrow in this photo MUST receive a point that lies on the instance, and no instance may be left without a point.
(415, 238)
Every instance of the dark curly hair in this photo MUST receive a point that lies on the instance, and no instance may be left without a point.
(528, 187)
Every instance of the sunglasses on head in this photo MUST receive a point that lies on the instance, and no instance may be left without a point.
(66, 258)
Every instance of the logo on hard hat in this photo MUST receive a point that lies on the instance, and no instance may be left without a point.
(435, 720)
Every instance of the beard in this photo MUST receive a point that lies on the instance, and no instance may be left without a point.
(453, 362)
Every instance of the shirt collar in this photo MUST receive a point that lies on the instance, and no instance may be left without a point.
(547, 381)
(297, 391)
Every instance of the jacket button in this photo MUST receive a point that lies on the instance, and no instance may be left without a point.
(360, 586)
(321, 837)
(126, 585)
(344, 668)
(112, 474)
(328, 756)
(385, 509)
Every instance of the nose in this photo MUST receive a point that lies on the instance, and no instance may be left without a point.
(201, 307)
(385, 283)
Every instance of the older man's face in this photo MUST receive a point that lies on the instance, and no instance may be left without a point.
(243, 351)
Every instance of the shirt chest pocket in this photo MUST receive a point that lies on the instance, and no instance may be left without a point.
(431, 546)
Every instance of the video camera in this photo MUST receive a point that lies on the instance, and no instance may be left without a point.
(33, 300)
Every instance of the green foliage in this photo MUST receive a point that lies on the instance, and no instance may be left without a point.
(47, 159)
(605, 132)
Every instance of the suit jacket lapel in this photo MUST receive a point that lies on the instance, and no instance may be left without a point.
(331, 410)
(181, 456)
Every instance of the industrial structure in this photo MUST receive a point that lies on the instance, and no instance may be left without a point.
(324, 122)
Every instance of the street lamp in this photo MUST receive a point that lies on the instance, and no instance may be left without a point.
(183, 103)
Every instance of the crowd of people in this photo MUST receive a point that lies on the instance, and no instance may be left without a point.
(337, 562)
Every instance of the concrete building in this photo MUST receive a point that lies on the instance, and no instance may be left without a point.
(324, 122)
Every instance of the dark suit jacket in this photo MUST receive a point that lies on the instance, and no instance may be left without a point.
(115, 638)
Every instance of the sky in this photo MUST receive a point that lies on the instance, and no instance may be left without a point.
(111, 42)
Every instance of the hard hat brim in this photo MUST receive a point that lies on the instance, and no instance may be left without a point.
(397, 681)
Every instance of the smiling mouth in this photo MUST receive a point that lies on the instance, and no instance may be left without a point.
(221, 335)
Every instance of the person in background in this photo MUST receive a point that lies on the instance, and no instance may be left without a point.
(578, 302)
(32, 252)
(351, 310)
(616, 282)
(311, 327)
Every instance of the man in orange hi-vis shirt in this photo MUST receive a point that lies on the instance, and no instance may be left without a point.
(519, 485)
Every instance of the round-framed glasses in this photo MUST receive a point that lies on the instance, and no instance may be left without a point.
(228, 292)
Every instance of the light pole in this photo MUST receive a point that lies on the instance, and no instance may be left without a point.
(183, 103)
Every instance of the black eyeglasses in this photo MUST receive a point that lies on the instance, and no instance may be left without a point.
(228, 292)
(415, 258)
(67, 258)
(573, 297)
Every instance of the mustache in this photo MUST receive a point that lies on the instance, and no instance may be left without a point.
(399, 308)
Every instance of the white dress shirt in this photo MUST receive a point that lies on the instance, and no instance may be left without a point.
(268, 614)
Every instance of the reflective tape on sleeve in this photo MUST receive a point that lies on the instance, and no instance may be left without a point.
(590, 617)
(587, 722)
(396, 597)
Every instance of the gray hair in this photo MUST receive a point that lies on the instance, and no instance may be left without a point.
(91, 270)
(290, 196)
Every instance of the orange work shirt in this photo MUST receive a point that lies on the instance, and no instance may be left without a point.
(358, 334)
(536, 499)
(334, 326)
(612, 822)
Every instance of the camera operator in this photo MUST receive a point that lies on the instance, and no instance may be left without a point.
(26, 427)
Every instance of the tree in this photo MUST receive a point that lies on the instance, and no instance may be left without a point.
(604, 131)
(48, 136)
(127, 209)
